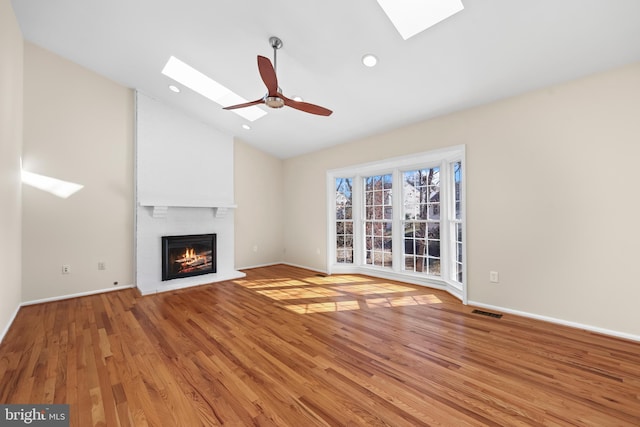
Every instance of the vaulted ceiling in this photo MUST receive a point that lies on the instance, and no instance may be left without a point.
(492, 49)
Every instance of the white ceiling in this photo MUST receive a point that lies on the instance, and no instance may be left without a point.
(491, 50)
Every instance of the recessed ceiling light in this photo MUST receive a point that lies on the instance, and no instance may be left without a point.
(246, 126)
(174, 88)
(369, 60)
(209, 88)
(411, 17)
(297, 98)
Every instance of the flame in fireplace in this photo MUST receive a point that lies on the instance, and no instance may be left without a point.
(192, 260)
(190, 254)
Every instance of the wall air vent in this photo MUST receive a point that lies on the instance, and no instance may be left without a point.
(487, 313)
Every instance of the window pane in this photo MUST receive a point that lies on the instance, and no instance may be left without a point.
(434, 266)
(348, 228)
(434, 248)
(388, 213)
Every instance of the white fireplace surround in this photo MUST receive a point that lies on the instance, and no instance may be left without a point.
(184, 185)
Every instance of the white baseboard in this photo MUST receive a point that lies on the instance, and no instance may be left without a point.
(80, 294)
(249, 267)
(9, 323)
(576, 325)
(305, 267)
(271, 264)
(211, 278)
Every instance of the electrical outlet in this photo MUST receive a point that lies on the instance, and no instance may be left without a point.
(255, 248)
(102, 265)
(493, 277)
(66, 269)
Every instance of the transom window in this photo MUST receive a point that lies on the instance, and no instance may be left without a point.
(402, 216)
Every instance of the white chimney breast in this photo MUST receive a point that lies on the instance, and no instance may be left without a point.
(184, 185)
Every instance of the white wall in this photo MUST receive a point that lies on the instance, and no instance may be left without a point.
(180, 162)
(259, 218)
(11, 98)
(78, 126)
(551, 203)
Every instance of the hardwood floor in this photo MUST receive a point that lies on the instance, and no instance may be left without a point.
(287, 347)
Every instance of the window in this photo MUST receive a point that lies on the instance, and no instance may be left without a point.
(378, 218)
(344, 220)
(421, 223)
(456, 221)
(402, 218)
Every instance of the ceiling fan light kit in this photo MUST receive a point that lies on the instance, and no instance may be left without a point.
(274, 97)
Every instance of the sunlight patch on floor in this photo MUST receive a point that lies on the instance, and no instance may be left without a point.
(298, 293)
(262, 284)
(388, 302)
(323, 292)
(403, 301)
(336, 279)
(385, 288)
(323, 307)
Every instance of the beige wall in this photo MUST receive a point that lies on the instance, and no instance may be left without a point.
(552, 198)
(11, 53)
(78, 126)
(259, 216)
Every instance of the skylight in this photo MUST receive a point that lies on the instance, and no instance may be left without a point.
(413, 16)
(209, 88)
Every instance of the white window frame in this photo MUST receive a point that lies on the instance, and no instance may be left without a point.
(443, 158)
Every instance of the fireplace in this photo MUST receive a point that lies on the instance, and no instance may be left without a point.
(185, 256)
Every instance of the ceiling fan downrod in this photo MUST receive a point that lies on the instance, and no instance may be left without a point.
(276, 44)
(274, 101)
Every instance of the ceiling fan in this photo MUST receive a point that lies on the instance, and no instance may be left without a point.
(274, 97)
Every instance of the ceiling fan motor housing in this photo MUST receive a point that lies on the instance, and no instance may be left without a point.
(274, 102)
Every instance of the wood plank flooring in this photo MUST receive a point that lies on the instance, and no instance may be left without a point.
(287, 347)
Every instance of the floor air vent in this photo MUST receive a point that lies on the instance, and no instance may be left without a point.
(487, 313)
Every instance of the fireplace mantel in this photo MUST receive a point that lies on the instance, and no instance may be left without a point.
(159, 208)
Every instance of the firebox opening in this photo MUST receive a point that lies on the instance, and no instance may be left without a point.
(190, 255)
